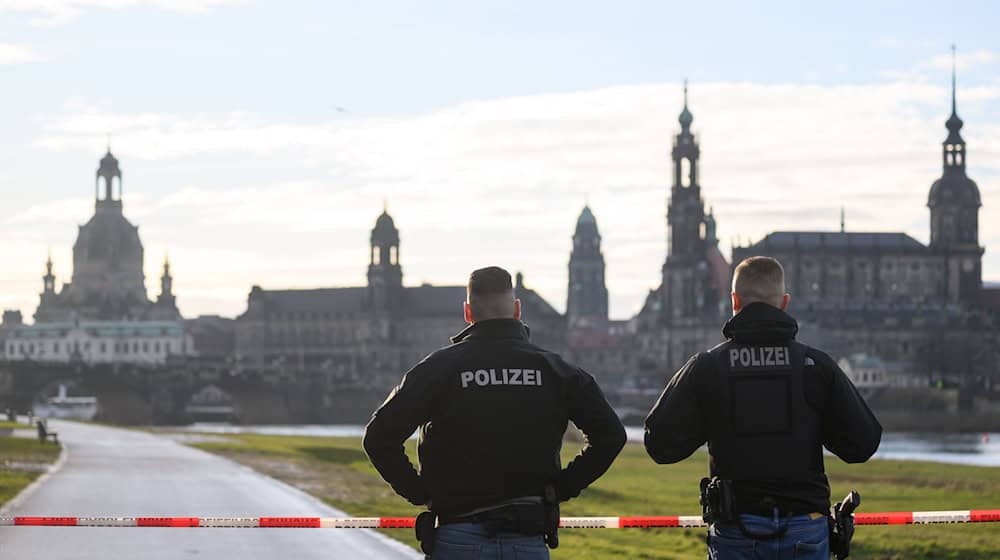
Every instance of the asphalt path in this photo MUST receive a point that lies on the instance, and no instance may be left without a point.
(115, 472)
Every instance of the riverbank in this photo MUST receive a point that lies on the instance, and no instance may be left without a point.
(22, 459)
(336, 470)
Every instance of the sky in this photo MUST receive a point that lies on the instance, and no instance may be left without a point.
(260, 140)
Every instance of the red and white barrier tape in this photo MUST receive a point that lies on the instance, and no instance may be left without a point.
(881, 518)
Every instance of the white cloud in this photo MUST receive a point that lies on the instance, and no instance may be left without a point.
(56, 12)
(17, 54)
(964, 60)
(504, 180)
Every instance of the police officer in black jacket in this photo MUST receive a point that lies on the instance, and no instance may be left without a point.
(492, 409)
(766, 405)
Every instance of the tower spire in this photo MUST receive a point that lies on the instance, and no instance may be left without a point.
(49, 280)
(953, 104)
(685, 117)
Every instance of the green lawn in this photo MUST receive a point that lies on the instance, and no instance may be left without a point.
(21, 451)
(336, 470)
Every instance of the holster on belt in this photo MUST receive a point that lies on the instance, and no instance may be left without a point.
(842, 525)
(718, 503)
(551, 527)
(426, 527)
(717, 500)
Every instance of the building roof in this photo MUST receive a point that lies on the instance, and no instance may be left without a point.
(311, 303)
(534, 305)
(418, 301)
(721, 274)
(817, 241)
(427, 300)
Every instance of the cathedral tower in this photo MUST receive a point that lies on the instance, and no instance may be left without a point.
(688, 285)
(49, 280)
(385, 275)
(166, 284)
(954, 203)
(587, 294)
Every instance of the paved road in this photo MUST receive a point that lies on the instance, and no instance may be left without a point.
(120, 472)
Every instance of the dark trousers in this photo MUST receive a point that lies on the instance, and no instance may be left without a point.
(805, 538)
(471, 541)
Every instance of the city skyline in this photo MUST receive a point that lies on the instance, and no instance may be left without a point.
(276, 188)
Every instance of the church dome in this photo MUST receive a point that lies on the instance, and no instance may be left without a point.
(954, 189)
(685, 118)
(385, 232)
(109, 240)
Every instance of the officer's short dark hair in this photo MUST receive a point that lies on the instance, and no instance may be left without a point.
(490, 293)
(759, 279)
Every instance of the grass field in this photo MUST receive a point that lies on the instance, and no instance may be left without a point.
(337, 470)
(14, 454)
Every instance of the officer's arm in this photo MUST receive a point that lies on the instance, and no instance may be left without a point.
(406, 408)
(850, 429)
(675, 427)
(604, 435)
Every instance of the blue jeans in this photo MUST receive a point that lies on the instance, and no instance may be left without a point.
(471, 541)
(804, 539)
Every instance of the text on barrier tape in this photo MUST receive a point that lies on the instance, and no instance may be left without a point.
(647, 522)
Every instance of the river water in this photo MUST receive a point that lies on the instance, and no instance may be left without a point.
(961, 449)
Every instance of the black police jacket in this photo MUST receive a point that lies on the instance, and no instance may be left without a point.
(766, 405)
(492, 409)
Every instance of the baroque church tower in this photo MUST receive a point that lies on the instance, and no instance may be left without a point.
(587, 295)
(689, 289)
(108, 281)
(385, 275)
(954, 204)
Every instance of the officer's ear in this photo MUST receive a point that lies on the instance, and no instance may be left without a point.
(467, 309)
(784, 301)
(517, 309)
(736, 303)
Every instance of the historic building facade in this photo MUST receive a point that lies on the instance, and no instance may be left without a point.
(587, 294)
(103, 314)
(916, 307)
(360, 334)
(685, 313)
(849, 269)
(99, 342)
(597, 344)
(108, 281)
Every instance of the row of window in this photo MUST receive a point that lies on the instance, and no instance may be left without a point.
(119, 347)
(309, 316)
(916, 265)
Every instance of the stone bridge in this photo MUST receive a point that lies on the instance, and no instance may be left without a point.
(193, 391)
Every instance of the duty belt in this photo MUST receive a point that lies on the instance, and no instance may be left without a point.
(492, 513)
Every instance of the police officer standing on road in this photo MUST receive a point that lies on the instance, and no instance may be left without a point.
(766, 405)
(492, 409)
